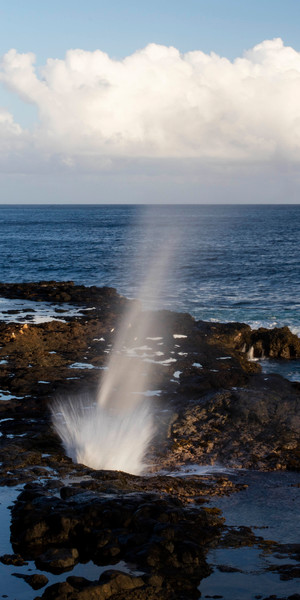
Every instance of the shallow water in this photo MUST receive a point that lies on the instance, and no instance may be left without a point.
(252, 582)
(271, 507)
(290, 369)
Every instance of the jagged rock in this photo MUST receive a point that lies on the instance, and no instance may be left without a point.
(13, 559)
(163, 538)
(254, 426)
(275, 343)
(112, 584)
(57, 560)
(210, 365)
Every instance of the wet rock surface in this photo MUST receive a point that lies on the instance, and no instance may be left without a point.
(36, 581)
(213, 405)
(163, 538)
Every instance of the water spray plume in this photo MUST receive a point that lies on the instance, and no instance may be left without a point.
(114, 430)
(100, 438)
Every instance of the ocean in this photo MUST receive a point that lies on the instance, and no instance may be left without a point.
(228, 262)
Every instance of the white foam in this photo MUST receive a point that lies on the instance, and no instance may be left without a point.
(176, 336)
(177, 374)
(103, 438)
(160, 362)
(140, 352)
(295, 330)
(139, 348)
(80, 365)
(35, 312)
(188, 470)
(168, 361)
(6, 396)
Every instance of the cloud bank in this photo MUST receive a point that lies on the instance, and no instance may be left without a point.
(95, 112)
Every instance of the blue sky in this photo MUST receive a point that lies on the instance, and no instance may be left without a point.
(120, 29)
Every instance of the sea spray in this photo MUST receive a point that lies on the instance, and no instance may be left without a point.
(114, 430)
(100, 438)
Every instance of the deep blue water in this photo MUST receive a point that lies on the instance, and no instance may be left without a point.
(229, 263)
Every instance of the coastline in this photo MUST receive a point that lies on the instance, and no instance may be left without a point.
(213, 406)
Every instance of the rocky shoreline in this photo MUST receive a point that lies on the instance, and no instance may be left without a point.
(213, 405)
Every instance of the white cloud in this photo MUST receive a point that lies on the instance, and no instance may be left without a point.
(157, 103)
(10, 132)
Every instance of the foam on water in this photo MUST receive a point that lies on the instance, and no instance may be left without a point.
(18, 311)
(194, 469)
(7, 396)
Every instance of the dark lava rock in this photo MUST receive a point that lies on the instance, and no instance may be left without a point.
(117, 585)
(286, 572)
(279, 342)
(237, 537)
(162, 537)
(275, 343)
(257, 425)
(36, 581)
(217, 408)
(57, 560)
(112, 584)
(59, 292)
(215, 405)
(13, 559)
(228, 569)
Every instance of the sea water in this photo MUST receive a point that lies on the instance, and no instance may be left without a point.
(231, 262)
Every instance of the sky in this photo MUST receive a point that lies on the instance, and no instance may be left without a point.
(161, 102)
